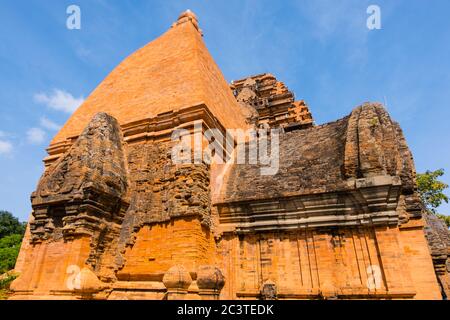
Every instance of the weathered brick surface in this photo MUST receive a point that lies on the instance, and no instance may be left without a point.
(323, 158)
(160, 246)
(115, 218)
(320, 263)
(268, 102)
(438, 237)
(311, 161)
(45, 272)
(173, 72)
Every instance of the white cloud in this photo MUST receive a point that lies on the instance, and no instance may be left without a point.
(341, 20)
(59, 100)
(5, 147)
(36, 135)
(49, 124)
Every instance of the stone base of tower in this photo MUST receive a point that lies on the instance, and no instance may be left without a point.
(48, 270)
(320, 263)
(172, 260)
(337, 263)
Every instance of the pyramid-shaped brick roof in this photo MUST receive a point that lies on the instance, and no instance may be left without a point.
(173, 72)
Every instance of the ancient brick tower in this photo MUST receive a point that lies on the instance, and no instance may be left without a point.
(115, 218)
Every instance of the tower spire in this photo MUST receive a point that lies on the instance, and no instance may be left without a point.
(188, 16)
(173, 72)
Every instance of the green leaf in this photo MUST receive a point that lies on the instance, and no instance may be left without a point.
(10, 225)
(431, 190)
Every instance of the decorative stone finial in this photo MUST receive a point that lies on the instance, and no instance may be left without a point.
(210, 278)
(188, 16)
(177, 278)
(210, 282)
(87, 282)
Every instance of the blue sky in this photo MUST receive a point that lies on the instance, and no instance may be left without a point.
(321, 49)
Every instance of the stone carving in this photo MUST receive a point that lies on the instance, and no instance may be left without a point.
(341, 218)
(268, 102)
(269, 290)
(438, 237)
(85, 192)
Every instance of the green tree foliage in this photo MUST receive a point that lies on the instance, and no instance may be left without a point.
(9, 250)
(11, 234)
(431, 189)
(446, 219)
(10, 225)
(5, 283)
